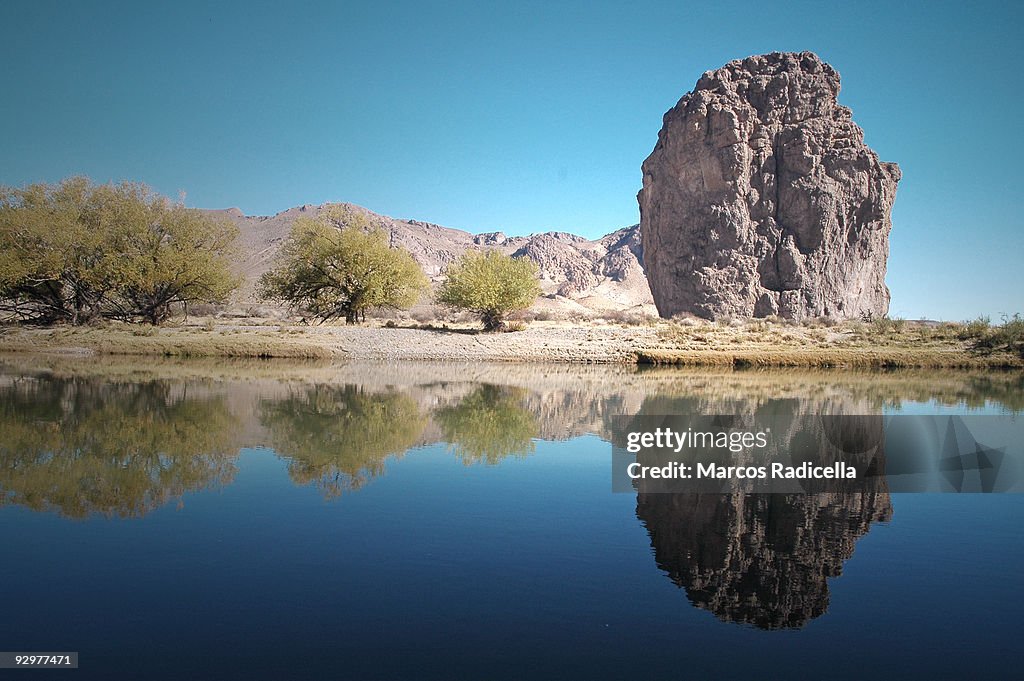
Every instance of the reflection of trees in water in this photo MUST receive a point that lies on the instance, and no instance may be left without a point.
(488, 425)
(82, 446)
(761, 559)
(339, 437)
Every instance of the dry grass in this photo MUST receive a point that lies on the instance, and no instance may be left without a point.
(856, 358)
(167, 342)
(737, 343)
(880, 343)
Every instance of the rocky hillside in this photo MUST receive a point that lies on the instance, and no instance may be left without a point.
(577, 275)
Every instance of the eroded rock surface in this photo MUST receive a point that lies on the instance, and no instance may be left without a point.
(761, 198)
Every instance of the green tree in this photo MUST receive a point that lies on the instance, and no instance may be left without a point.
(75, 251)
(491, 285)
(330, 272)
(54, 261)
(180, 256)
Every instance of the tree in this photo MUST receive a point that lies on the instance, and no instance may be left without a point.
(491, 285)
(75, 251)
(54, 263)
(331, 272)
(179, 257)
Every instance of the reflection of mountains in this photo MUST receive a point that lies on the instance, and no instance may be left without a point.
(761, 559)
(86, 438)
(121, 439)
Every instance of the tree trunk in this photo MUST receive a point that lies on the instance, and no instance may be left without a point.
(492, 320)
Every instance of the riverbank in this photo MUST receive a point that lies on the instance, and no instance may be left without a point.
(691, 343)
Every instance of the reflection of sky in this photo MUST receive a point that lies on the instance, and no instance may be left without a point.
(440, 570)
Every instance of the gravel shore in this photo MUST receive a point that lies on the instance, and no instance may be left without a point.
(695, 344)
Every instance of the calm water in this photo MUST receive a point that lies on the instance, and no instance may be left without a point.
(416, 521)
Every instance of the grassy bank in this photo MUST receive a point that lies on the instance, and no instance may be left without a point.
(163, 342)
(882, 343)
(824, 358)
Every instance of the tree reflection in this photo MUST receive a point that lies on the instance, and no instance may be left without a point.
(339, 437)
(488, 425)
(88, 446)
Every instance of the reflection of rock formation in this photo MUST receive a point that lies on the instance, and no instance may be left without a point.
(761, 559)
(764, 559)
(112, 436)
(340, 437)
(488, 425)
(83, 446)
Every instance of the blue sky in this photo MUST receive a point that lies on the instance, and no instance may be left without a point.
(517, 116)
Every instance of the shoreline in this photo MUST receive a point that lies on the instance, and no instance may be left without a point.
(753, 345)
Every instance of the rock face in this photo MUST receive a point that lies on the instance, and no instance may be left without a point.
(761, 198)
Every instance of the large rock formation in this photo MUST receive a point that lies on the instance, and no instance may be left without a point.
(761, 198)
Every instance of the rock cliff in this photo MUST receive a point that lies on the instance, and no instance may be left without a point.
(761, 198)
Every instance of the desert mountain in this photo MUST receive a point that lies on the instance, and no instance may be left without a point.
(577, 275)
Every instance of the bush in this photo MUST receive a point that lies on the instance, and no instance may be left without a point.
(330, 272)
(1008, 337)
(491, 285)
(423, 316)
(629, 318)
(977, 328)
(75, 251)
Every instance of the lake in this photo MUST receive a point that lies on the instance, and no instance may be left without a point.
(251, 520)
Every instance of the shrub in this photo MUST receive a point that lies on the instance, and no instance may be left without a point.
(491, 285)
(976, 328)
(331, 272)
(75, 251)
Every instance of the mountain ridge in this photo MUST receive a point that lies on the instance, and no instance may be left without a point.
(577, 275)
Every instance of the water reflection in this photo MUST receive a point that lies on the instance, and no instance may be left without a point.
(760, 559)
(338, 438)
(76, 441)
(763, 559)
(488, 425)
(81, 446)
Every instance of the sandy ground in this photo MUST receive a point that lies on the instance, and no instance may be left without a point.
(746, 344)
(535, 343)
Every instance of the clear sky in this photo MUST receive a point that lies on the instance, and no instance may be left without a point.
(515, 116)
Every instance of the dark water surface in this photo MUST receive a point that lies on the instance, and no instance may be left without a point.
(418, 521)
